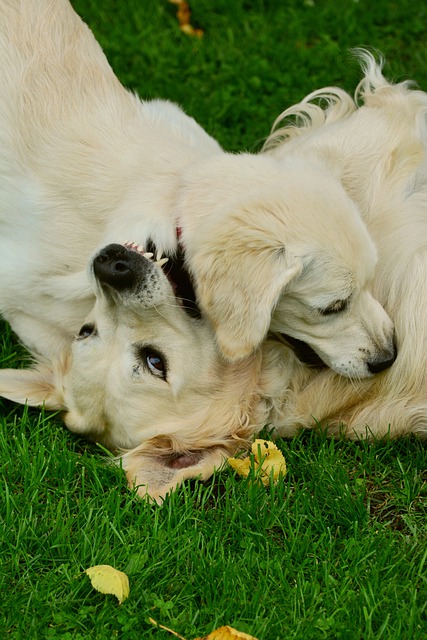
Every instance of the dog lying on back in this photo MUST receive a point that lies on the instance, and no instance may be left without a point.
(84, 166)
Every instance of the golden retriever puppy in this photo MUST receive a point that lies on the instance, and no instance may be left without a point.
(268, 257)
(378, 151)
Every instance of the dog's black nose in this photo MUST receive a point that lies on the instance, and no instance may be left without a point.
(380, 365)
(117, 266)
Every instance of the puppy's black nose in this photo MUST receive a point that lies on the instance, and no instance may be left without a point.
(380, 365)
(117, 266)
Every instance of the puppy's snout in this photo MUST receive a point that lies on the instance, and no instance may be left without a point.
(117, 266)
(383, 363)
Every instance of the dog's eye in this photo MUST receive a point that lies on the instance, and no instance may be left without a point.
(335, 307)
(154, 361)
(86, 330)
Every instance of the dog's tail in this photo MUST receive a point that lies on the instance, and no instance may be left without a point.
(327, 105)
(334, 104)
(330, 104)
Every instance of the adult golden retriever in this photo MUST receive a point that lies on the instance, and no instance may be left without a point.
(86, 165)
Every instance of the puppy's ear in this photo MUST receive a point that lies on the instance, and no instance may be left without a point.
(238, 293)
(36, 387)
(155, 469)
(240, 244)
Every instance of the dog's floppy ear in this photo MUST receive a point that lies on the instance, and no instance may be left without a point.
(155, 468)
(242, 321)
(239, 246)
(238, 291)
(36, 387)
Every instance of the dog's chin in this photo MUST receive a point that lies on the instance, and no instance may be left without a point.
(304, 352)
(180, 279)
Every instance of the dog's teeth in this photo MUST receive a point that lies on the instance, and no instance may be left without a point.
(148, 255)
(162, 261)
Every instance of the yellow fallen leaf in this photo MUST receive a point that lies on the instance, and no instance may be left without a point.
(268, 462)
(183, 14)
(227, 633)
(107, 579)
(223, 633)
(241, 465)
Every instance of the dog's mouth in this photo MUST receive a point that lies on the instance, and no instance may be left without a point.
(304, 352)
(173, 267)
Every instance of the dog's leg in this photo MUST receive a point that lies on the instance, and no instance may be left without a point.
(74, 286)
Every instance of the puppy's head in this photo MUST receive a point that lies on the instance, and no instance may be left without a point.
(283, 247)
(143, 376)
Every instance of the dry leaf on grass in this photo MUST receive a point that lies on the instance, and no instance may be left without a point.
(267, 462)
(223, 633)
(227, 633)
(107, 579)
(183, 14)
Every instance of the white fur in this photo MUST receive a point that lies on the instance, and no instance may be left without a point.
(379, 151)
(79, 167)
(276, 245)
(84, 163)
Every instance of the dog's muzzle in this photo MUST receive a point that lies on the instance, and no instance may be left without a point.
(119, 267)
(127, 268)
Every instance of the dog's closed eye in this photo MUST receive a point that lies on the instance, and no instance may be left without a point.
(335, 307)
(86, 331)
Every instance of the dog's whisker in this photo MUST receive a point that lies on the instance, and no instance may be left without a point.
(355, 381)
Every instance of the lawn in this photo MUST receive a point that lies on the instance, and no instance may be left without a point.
(338, 548)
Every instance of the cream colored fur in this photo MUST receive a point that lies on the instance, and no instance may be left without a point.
(84, 163)
(379, 151)
(284, 247)
(80, 168)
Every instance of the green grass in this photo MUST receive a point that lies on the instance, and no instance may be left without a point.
(338, 550)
